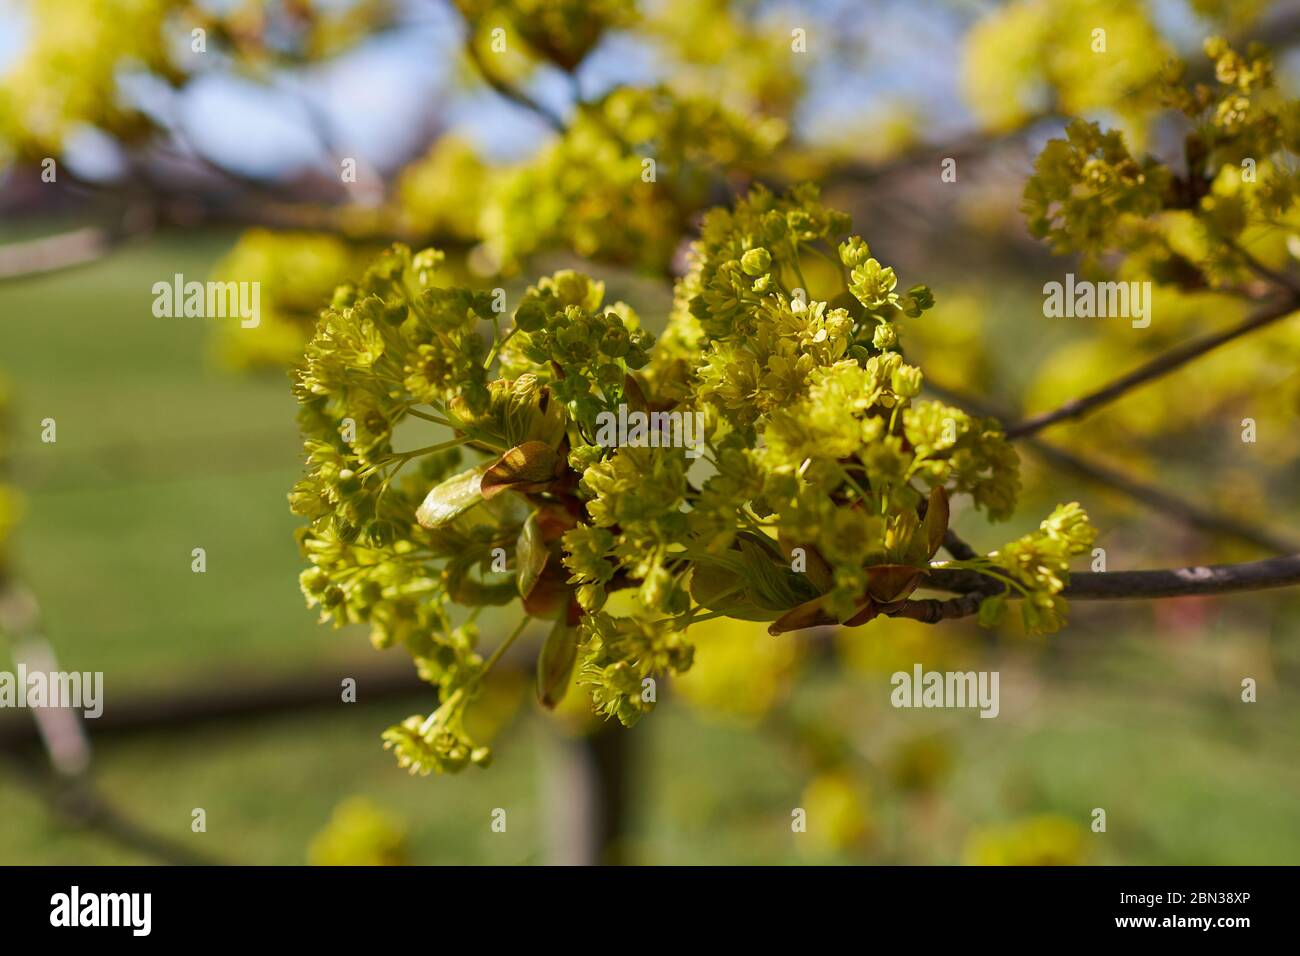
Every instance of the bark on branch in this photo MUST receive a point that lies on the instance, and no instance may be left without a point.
(52, 253)
(511, 92)
(1279, 572)
(1149, 495)
(1158, 366)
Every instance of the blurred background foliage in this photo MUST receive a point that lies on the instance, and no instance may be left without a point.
(175, 434)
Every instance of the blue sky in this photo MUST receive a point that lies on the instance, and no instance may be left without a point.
(382, 94)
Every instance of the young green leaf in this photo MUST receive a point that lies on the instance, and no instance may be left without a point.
(769, 585)
(555, 663)
(449, 500)
(531, 555)
(717, 587)
(936, 518)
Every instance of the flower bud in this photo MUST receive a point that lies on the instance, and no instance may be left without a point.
(591, 597)
(615, 342)
(756, 262)
(344, 296)
(530, 316)
(314, 581)
(349, 483)
(906, 381)
(885, 337)
(854, 251)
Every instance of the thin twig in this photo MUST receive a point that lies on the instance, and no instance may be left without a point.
(77, 803)
(1215, 579)
(1278, 572)
(1280, 279)
(1152, 496)
(955, 546)
(511, 92)
(927, 155)
(932, 611)
(1158, 499)
(1161, 365)
(76, 247)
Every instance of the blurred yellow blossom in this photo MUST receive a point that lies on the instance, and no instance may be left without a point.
(740, 670)
(1045, 840)
(359, 833)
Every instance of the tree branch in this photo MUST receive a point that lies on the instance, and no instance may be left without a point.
(1151, 496)
(65, 250)
(78, 803)
(510, 92)
(1161, 365)
(925, 156)
(1156, 498)
(932, 611)
(958, 548)
(1210, 580)
(1280, 279)
(1279, 572)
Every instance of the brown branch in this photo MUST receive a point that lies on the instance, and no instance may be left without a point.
(1161, 365)
(219, 700)
(1200, 581)
(67, 250)
(1149, 495)
(1156, 498)
(1280, 572)
(925, 156)
(64, 782)
(77, 803)
(957, 547)
(932, 611)
(1280, 279)
(511, 92)
(34, 257)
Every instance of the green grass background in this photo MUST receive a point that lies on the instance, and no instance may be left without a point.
(160, 451)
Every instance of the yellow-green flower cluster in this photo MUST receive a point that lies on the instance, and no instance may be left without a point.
(68, 75)
(390, 343)
(1038, 566)
(1044, 840)
(296, 273)
(360, 833)
(1235, 110)
(620, 655)
(640, 494)
(1075, 56)
(1088, 194)
(561, 324)
(813, 487)
(1233, 180)
(437, 742)
(764, 332)
(623, 180)
(561, 31)
(441, 193)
